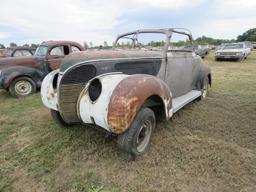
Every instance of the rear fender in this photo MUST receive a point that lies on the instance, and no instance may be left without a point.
(205, 72)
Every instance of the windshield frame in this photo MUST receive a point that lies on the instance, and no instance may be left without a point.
(167, 32)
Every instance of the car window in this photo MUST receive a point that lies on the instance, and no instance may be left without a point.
(26, 53)
(59, 51)
(17, 53)
(75, 48)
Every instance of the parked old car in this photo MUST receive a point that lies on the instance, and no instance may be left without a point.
(21, 76)
(198, 49)
(123, 91)
(17, 52)
(254, 45)
(233, 51)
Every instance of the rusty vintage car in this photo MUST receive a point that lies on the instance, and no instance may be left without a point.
(21, 76)
(124, 90)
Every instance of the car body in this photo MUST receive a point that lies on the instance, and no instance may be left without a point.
(21, 76)
(200, 50)
(118, 89)
(17, 52)
(254, 45)
(248, 44)
(233, 51)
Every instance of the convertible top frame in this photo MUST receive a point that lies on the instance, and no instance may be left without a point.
(167, 31)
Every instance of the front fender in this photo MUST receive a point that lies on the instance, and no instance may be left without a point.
(121, 98)
(10, 73)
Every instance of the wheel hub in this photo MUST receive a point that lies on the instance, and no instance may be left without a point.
(23, 87)
(144, 136)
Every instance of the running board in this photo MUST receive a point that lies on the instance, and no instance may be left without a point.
(183, 100)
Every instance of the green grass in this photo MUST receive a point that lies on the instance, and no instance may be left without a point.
(207, 146)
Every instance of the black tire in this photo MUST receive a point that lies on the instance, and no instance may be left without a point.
(22, 86)
(135, 141)
(58, 119)
(204, 89)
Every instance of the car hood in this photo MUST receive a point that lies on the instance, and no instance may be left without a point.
(30, 61)
(229, 50)
(84, 56)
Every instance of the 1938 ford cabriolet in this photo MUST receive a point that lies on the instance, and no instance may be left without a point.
(123, 90)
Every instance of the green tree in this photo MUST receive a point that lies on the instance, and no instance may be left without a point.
(249, 35)
(13, 45)
(33, 45)
(2, 46)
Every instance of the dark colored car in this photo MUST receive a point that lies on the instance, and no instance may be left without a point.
(198, 49)
(21, 76)
(123, 90)
(17, 52)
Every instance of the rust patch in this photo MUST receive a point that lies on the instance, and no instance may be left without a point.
(129, 96)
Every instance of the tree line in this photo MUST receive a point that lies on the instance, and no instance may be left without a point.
(249, 35)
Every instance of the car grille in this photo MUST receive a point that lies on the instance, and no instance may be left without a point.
(70, 87)
(227, 53)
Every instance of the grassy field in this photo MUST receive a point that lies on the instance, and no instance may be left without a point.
(207, 146)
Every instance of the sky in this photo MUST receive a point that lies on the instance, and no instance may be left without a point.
(96, 21)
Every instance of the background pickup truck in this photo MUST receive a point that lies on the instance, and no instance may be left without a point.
(21, 76)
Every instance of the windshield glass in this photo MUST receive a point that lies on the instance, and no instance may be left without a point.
(41, 51)
(233, 46)
(149, 41)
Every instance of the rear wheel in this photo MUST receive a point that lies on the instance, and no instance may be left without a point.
(135, 141)
(22, 86)
(58, 119)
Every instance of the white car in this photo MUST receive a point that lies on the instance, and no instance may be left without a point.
(235, 51)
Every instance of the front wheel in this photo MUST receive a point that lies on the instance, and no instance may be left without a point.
(58, 119)
(135, 141)
(22, 86)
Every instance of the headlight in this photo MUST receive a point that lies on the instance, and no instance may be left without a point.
(0, 72)
(217, 53)
(94, 90)
(239, 53)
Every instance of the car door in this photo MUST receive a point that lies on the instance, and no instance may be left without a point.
(56, 55)
(182, 71)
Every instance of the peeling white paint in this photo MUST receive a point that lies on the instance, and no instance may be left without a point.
(48, 94)
(98, 110)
